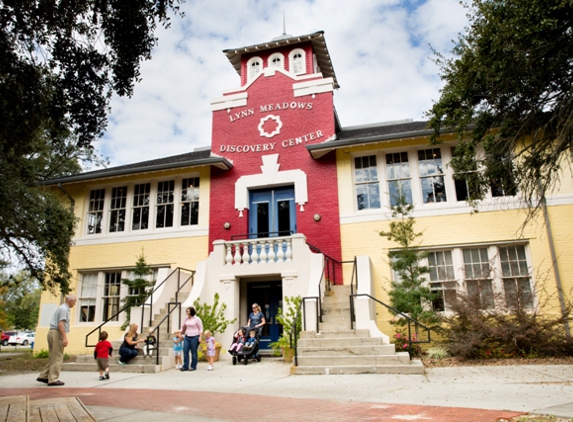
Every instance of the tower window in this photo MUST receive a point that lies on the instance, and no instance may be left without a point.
(297, 61)
(254, 67)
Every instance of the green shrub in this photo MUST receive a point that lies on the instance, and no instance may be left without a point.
(42, 354)
(437, 353)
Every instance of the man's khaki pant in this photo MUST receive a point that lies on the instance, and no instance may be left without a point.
(56, 347)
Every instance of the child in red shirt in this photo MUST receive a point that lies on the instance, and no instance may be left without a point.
(103, 351)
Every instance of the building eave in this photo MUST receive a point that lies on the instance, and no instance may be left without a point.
(318, 43)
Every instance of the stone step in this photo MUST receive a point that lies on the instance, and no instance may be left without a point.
(414, 367)
(326, 310)
(334, 326)
(335, 333)
(362, 360)
(343, 320)
(346, 349)
(140, 359)
(131, 367)
(326, 341)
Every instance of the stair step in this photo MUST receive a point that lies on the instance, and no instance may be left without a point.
(363, 360)
(414, 367)
(335, 333)
(113, 367)
(344, 349)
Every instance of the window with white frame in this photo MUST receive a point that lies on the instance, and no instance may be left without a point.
(165, 207)
(442, 280)
(190, 201)
(140, 208)
(87, 297)
(489, 276)
(95, 211)
(366, 182)
(504, 183)
(277, 60)
(254, 68)
(464, 187)
(117, 209)
(477, 272)
(111, 296)
(431, 172)
(398, 177)
(297, 60)
(515, 275)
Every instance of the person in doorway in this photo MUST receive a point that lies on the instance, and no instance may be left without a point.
(256, 318)
(103, 351)
(192, 328)
(57, 341)
(128, 349)
(210, 340)
(178, 349)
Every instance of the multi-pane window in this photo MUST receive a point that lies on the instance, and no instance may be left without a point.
(398, 177)
(111, 296)
(95, 211)
(87, 297)
(465, 188)
(117, 209)
(477, 271)
(190, 201)
(503, 183)
(366, 179)
(165, 204)
(276, 60)
(515, 275)
(442, 280)
(254, 67)
(140, 209)
(431, 170)
(297, 62)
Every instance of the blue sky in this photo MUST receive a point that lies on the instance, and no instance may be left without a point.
(380, 51)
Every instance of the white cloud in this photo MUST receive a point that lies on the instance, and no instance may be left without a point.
(380, 52)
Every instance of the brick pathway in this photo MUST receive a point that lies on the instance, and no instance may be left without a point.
(224, 406)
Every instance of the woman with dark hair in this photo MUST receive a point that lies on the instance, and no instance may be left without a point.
(192, 329)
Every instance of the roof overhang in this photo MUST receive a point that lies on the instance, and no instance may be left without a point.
(318, 43)
(319, 150)
(218, 162)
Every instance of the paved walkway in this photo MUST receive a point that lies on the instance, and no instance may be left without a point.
(265, 389)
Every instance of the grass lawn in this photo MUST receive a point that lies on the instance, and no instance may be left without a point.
(18, 361)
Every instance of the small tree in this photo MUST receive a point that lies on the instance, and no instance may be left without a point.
(139, 288)
(213, 316)
(410, 293)
(287, 320)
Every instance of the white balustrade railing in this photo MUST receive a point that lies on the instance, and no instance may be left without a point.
(258, 251)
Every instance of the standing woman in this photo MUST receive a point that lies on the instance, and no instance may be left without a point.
(192, 329)
(128, 350)
(256, 318)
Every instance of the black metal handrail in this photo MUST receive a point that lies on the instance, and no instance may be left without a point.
(158, 327)
(112, 318)
(417, 324)
(179, 287)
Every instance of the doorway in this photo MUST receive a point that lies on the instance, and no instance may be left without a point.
(269, 296)
(272, 212)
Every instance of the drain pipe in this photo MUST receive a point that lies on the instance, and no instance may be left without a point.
(554, 260)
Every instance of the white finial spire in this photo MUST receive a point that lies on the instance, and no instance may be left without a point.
(284, 22)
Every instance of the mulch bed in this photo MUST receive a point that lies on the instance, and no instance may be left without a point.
(455, 361)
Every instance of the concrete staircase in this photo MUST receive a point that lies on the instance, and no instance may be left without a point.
(139, 364)
(337, 349)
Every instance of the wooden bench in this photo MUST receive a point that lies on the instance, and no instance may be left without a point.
(62, 409)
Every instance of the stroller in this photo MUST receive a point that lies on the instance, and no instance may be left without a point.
(247, 352)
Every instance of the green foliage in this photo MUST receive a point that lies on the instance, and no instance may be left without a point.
(60, 63)
(508, 93)
(410, 293)
(437, 353)
(42, 354)
(21, 300)
(287, 320)
(139, 288)
(506, 332)
(213, 316)
(402, 342)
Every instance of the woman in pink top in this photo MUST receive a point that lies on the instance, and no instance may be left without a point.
(192, 329)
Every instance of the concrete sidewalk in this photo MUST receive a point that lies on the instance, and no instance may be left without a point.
(541, 389)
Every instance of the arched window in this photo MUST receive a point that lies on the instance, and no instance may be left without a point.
(254, 67)
(277, 60)
(297, 61)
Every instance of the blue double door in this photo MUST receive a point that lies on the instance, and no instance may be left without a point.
(272, 212)
(268, 295)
